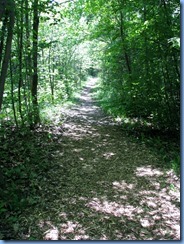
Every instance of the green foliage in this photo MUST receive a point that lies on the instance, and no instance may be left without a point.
(63, 60)
(140, 61)
(176, 164)
(133, 47)
(138, 58)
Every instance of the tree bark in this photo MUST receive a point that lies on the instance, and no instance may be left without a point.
(6, 58)
(20, 52)
(35, 62)
(3, 31)
(127, 59)
(12, 95)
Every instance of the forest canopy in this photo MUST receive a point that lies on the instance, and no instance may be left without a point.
(47, 48)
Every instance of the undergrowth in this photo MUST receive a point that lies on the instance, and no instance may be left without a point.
(25, 160)
(162, 141)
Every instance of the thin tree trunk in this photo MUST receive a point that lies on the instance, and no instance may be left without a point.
(51, 76)
(28, 45)
(7, 54)
(12, 95)
(20, 50)
(3, 31)
(146, 45)
(125, 52)
(35, 62)
(28, 61)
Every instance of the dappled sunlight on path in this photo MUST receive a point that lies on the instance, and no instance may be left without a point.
(87, 111)
(103, 186)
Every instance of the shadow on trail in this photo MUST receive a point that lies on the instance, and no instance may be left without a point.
(99, 194)
(25, 162)
(97, 184)
(114, 188)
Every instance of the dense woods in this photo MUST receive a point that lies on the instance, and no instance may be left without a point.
(49, 48)
(134, 46)
(141, 61)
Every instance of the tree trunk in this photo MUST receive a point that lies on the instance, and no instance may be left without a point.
(3, 31)
(127, 59)
(6, 58)
(12, 95)
(35, 62)
(20, 50)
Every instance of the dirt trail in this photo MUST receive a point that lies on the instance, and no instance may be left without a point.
(103, 186)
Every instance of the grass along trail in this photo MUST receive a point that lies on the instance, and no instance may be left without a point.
(100, 185)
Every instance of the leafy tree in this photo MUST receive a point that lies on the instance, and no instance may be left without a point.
(135, 45)
(140, 61)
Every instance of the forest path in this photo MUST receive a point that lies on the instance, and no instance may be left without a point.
(101, 185)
